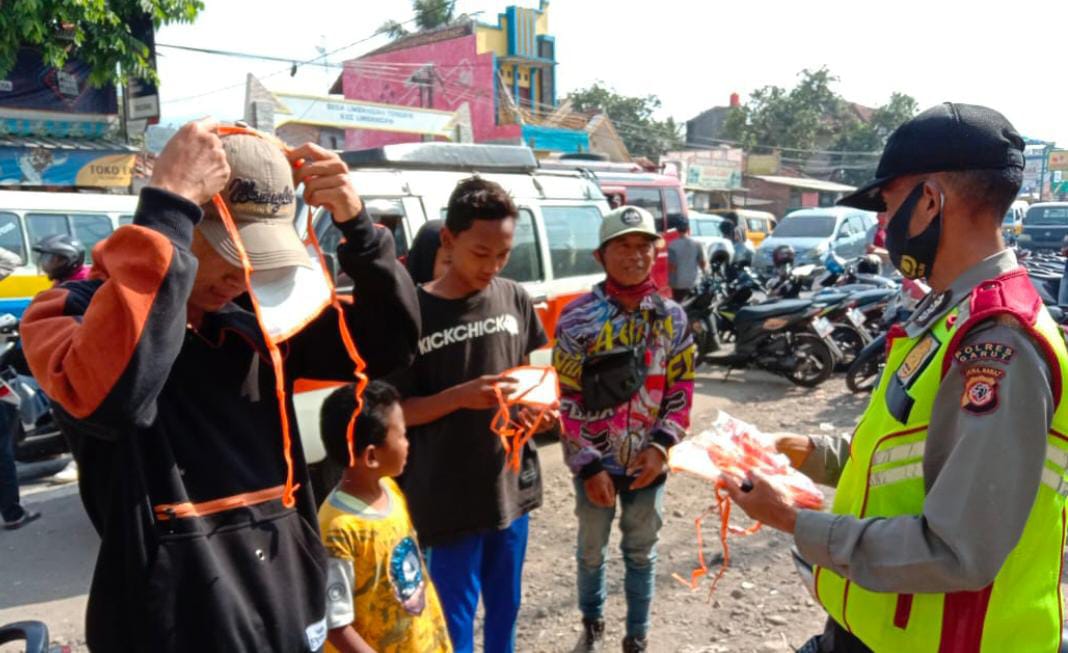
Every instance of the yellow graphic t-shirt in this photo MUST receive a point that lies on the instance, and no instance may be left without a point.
(376, 578)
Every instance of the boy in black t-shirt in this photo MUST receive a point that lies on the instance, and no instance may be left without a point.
(469, 508)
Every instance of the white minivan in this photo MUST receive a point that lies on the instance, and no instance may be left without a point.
(560, 214)
(28, 216)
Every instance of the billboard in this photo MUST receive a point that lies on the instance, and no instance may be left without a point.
(1058, 160)
(39, 166)
(33, 85)
(717, 169)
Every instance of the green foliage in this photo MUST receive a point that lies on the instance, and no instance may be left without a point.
(812, 116)
(429, 14)
(633, 119)
(95, 31)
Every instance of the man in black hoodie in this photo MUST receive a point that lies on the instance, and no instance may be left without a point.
(164, 385)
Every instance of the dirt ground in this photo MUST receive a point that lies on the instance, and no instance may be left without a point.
(760, 604)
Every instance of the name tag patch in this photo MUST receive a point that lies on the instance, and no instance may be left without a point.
(985, 351)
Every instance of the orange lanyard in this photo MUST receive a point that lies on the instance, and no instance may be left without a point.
(272, 347)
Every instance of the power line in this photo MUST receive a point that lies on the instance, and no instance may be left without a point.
(283, 70)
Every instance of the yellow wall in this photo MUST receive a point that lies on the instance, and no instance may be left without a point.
(491, 39)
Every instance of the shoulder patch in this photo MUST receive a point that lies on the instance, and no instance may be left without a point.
(985, 351)
(981, 389)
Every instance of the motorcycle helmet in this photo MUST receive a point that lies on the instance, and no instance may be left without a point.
(869, 264)
(59, 256)
(782, 255)
(720, 259)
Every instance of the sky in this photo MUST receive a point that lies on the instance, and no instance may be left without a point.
(692, 54)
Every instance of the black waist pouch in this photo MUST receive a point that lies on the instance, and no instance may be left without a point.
(611, 378)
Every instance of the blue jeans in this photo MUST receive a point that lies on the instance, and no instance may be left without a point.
(10, 509)
(640, 522)
(486, 564)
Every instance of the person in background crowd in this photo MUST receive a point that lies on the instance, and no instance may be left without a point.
(469, 507)
(426, 259)
(379, 598)
(947, 528)
(617, 446)
(686, 261)
(61, 258)
(877, 243)
(162, 382)
(11, 511)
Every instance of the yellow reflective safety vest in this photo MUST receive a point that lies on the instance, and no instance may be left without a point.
(1022, 609)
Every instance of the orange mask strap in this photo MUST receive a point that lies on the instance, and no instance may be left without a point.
(272, 347)
(514, 436)
(723, 505)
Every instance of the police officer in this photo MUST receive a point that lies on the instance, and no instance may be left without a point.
(947, 527)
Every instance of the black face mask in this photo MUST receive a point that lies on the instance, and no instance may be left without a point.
(913, 257)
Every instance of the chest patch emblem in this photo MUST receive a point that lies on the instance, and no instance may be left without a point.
(917, 360)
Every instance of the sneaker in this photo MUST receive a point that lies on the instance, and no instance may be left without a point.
(592, 635)
(26, 518)
(635, 644)
(68, 474)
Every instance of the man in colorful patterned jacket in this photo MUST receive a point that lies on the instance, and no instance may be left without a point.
(619, 452)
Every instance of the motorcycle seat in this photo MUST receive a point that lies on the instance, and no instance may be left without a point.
(865, 297)
(773, 309)
(830, 297)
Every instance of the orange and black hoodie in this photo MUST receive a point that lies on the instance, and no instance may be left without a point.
(178, 437)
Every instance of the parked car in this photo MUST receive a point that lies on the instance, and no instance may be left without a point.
(1044, 226)
(707, 229)
(26, 217)
(814, 232)
(1012, 224)
(757, 224)
(560, 213)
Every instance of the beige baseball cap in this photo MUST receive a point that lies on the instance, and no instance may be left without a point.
(627, 220)
(287, 276)
(262, 202)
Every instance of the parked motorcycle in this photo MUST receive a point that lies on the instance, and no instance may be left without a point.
(784, 337)
(37, 435)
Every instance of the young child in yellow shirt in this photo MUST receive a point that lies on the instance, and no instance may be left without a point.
(379, 596)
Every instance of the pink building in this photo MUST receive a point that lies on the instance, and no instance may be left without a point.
(502, 75)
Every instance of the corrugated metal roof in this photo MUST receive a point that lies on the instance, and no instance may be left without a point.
(88, 144)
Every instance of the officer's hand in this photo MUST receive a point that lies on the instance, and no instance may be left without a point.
(795, 447)
(326, 181)
(649, 465)
(600, 490)
(193, 164)
(764, 501)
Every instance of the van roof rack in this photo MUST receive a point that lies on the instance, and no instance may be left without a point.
(445, 156)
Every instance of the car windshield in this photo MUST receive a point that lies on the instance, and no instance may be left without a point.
(707, 227)
(1008, 218)
(816, 226)
(1047, 216)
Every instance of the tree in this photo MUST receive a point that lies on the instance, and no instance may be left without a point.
(816, 127)
(633, 119)
(95, 31)
(429, 14)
